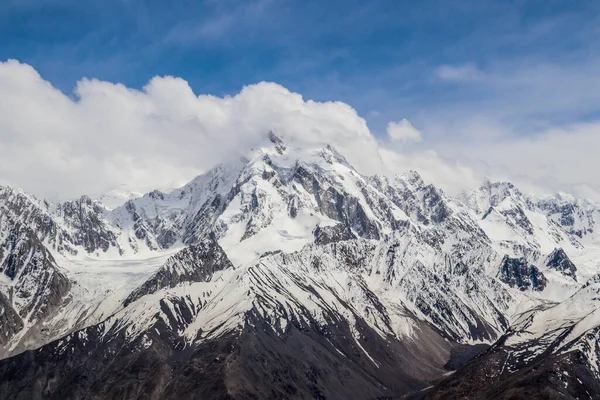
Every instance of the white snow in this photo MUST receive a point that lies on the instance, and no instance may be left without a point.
(422, 270)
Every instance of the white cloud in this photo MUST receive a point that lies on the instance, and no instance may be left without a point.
(109, 135)
(163, 135)
(403, 131)
(451, 176)
(559, 159)
(459, 73)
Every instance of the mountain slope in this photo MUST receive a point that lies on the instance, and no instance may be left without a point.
(554, 351)
(287, 273)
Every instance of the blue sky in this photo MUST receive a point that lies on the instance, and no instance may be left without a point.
(383, 57)
(507, 89)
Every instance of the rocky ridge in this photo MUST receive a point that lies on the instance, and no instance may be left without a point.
(288, 273)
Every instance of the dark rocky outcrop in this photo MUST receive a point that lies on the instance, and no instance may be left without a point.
(37, 288)
(435, 205)
(141, 228)
(89, 228)
(517, 272)
(516, 215)
(279, 145)
(17, 208)
(38, 283)
(332, 234)
(425, 203)
(195, 263)
(572, 216)
(10, 322)
(487, 377)
(337, 205)
(559, 261)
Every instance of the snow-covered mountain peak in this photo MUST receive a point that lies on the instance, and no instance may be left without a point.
(116, 197)
(493, 194)
(290, 242)
(412, 178)
(576, 216)
(286, 155)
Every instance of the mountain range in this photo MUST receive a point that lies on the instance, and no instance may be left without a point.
(288, 274)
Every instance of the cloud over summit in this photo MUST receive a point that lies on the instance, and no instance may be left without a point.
(108, 134)
(403, 131)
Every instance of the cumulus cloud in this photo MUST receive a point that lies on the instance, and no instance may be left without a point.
(403, 131)
(107, 134)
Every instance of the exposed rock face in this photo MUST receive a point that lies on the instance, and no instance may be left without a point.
(565, 376)
(576, 216)
(38, 286)
(332, 234)
(141, 227)
(91, 230)
(279, 145)
(517, 214)
(553, 352)
(10, 321)
(18, 208)
(195, 263)
(517, 272)
(559, 261)
(420, 201)
(336, 205)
